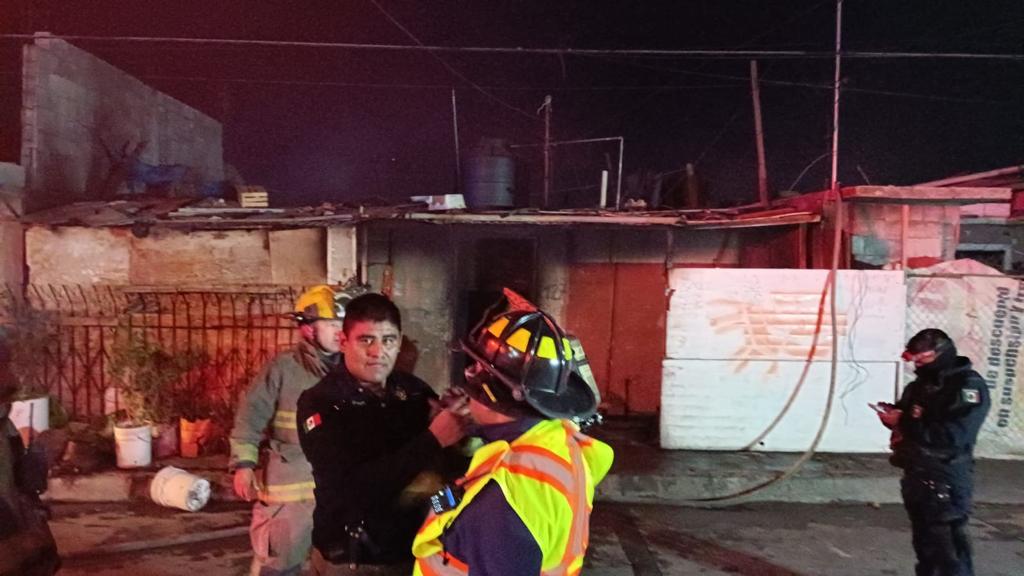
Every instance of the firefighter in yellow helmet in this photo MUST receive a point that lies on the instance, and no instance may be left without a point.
(282, 521)
(523, 507)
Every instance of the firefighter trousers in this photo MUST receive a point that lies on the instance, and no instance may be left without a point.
(281, 535)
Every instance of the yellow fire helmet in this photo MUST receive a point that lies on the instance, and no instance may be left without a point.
(318, 303)
(326, 303)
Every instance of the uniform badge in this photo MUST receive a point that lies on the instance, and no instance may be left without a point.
(401, 394)
(313, 421)
(971, 396)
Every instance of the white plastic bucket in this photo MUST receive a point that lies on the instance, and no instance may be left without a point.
(134, 446)
(177, 488)
(30, 417)
(33, 413)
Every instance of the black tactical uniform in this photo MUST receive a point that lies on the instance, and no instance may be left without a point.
(365, 449)
(943, 410)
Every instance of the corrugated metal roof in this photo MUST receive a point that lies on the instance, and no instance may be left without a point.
(177, 213)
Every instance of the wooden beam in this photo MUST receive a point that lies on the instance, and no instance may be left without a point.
(926, 194)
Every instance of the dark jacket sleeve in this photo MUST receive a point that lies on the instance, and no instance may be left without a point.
(491, 539)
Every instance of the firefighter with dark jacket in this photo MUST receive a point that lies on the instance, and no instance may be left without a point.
(935, 426)
(523, 506)
(368, 432)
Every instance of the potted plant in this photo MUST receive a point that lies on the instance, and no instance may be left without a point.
(145, 374)
(200, 412)
(25, 340)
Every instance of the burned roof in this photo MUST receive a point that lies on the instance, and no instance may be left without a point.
(206, 214)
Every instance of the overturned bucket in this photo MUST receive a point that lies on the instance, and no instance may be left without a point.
(177, 488)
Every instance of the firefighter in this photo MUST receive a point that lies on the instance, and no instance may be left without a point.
(523, 507)
(282, 519)
(935, 426)
(368, 432)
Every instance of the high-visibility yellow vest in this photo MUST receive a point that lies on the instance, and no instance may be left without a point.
(548, 477)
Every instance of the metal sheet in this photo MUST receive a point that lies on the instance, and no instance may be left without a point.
(725, 404)
(744, 314)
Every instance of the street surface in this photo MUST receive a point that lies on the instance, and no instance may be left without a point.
(749, 540)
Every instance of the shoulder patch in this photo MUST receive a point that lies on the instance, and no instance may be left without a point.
(312, 422)
(970, 396)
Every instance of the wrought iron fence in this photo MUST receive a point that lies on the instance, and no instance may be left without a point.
(236, 332)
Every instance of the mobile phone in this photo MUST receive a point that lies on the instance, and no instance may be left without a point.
(876, 407)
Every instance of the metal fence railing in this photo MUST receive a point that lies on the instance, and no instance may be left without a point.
(73, 331)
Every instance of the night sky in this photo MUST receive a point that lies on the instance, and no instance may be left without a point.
(334, 125)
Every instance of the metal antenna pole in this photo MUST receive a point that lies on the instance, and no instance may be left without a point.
(455, 130)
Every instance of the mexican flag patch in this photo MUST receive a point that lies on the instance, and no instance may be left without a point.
(313, 421)
(971, 396)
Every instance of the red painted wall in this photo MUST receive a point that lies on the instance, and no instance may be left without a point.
(618, 312)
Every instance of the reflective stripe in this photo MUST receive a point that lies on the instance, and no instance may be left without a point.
(546, 349)
(520, 340)
(549, 462)
(285, 419)
(498, 327)
(441, 565)
(576, 546)
(296, 492)
(243, 451)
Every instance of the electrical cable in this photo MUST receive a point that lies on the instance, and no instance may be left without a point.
(450, 68)
(636, 53)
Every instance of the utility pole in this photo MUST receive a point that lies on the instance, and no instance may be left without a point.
(762, 169)
(547, 151)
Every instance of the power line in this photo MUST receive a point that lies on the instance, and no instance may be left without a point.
(451, 68)
(627, 52)
(425, 86)
(816, 86)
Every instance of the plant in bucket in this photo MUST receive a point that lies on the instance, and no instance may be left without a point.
(145, 374)
(201, 410)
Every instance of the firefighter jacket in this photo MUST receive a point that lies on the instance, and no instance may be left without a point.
(365, 449)
(547, 476)
(268, 405)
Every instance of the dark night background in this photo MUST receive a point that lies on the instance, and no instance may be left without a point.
(331, 124)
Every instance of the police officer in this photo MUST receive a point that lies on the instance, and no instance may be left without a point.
(935, 426)
(282, 524)
(523, 507)
(368, 431)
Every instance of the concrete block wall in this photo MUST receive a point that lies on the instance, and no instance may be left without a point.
(115, 256)
(72, 102)
(421, 262)
(933, 233)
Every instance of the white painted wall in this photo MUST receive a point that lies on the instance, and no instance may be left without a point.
(738, 341)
